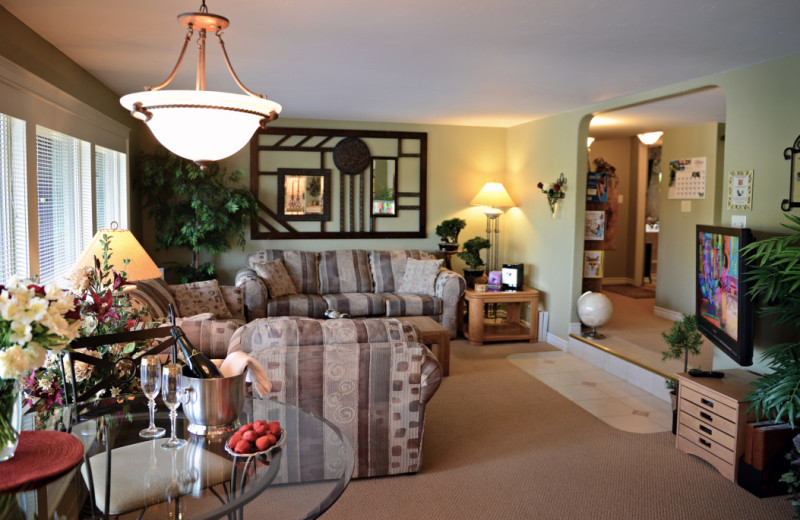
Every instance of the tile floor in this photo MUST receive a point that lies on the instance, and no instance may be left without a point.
(606, 396)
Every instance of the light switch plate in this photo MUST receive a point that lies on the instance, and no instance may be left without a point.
(686, 206)
(738, 221)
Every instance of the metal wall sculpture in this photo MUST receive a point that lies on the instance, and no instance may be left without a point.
(320, 183)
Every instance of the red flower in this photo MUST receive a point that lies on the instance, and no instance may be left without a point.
(540, 185)
(556, 187)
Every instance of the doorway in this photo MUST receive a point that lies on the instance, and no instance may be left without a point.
(631, 265)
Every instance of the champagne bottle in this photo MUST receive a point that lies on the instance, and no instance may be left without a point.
(199, 365)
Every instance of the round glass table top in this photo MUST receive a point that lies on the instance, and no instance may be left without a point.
(122, 473)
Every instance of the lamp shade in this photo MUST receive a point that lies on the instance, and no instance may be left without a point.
(122, 245)
(202, 125)
(493, 194)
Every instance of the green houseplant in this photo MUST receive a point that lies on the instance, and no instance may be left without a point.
(448, 230)
(471, 254)
(200, 210)
(683, 339)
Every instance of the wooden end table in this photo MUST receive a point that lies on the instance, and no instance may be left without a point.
(478, 330)
(433, 333)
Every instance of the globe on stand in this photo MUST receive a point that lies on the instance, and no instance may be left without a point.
(594, 310)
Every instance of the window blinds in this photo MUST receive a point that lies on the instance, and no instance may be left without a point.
(111, 193)
(64, 195)
(13, 200)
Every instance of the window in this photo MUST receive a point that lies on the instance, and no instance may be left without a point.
(64, 195)
(13, 199)
(111, 193)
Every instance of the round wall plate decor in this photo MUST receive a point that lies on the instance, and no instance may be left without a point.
(351, 155)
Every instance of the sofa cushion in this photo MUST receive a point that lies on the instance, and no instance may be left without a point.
(420, 276)
(153, 295)
(399, 304)
(388, 267)
(277, 279)
(301, 266)
(356, 304)
(344, 272)
(234, 300)
(198, 297)
(311, 305)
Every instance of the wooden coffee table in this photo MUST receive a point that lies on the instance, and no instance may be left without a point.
(477, 329)
(433, 333)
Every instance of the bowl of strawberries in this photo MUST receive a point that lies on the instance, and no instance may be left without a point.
(256, 438)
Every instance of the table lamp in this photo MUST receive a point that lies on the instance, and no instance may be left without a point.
(495, 196)
(122, 245)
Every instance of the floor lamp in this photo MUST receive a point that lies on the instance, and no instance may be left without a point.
(495, 196)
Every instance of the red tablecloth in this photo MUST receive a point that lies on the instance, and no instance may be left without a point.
(40, 455)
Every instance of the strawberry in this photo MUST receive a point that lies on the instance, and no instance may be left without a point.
(249, 436)
(262, 443)
(243, 447)
(260, 429)
(234, 440)
(275, 428)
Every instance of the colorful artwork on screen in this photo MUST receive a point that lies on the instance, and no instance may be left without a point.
(719, 281)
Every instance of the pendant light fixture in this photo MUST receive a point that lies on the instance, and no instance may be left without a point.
(201, 125)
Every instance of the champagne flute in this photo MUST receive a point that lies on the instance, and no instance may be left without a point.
(151, 384)
(171, 394)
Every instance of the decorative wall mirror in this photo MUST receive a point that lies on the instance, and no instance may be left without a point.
(321, 183)
(384, 187)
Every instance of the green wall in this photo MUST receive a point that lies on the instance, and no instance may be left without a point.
(763, 111)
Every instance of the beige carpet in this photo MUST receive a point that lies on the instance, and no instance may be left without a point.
(500, 444)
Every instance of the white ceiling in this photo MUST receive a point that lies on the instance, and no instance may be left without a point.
(464, 62)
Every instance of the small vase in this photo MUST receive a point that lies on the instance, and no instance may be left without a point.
(10, 417)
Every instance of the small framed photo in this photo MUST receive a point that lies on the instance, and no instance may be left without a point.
(304, 194)
(593, 264)
(740, 190)
(595, 228)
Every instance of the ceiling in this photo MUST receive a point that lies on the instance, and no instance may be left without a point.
(464, 62)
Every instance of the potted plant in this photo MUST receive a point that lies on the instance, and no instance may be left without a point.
(683, 339)
(448, 231)
(200, 210)
(472, 256)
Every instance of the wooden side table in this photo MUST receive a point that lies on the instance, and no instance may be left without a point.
(478, 330)
(433, 334)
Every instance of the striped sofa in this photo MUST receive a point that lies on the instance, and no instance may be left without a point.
(354, 281)
(371, 377)
(209, 317)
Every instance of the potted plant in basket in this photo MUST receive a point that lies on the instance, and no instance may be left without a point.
(472, 256)
(448, 231)
(683, 339)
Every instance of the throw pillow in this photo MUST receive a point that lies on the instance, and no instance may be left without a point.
(199, 297)
(420, 276)
(276, 277)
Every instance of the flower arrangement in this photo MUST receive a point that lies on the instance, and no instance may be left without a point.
(104, 309)
(554, 191)
(34, 320)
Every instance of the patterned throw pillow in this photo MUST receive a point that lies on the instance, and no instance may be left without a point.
(276, 277)
(153, 295)
(198, 297)
(420, 276)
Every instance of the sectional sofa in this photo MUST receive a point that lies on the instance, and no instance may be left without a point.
(356, 282)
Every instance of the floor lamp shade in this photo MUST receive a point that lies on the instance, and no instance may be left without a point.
(494, 196)
(122, 245)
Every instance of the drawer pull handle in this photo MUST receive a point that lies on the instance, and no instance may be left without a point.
(706, 429)
(706, 416)
(705, 443)
(708, 403)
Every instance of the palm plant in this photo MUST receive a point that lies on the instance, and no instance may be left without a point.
(774, 265)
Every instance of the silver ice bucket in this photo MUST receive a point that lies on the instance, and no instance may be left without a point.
(213, 405)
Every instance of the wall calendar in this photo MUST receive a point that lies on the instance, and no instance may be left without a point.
(687, 178)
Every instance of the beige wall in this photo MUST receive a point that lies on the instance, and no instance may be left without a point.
(460, 161)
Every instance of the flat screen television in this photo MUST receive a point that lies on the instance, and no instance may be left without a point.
(723, 307)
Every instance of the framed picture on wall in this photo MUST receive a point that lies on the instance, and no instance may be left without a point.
(593, 264)
(595, 228)
(304, 194)
(740, 190)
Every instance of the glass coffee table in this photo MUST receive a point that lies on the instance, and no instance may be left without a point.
(200, 480)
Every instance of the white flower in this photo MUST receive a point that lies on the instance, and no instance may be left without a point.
(20, 332)
(546, 186)
(13, 364)
(115, 391)
(35, 354)
(89, 324)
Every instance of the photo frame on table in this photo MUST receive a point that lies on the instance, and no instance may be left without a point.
(740, 190)
(593, 264)
(304, 194)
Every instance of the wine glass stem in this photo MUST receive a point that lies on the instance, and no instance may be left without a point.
(152, 405)
(173, 414)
